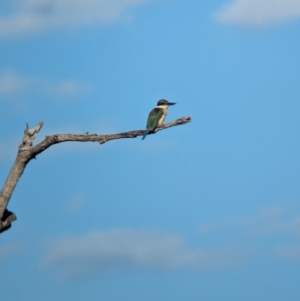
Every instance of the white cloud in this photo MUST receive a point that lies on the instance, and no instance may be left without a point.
(10, 249)
(14, 84)
(121, 249)
(102, 251)
(288, 252)
(71, 88)
(259, 13)
(265, 230)
(74, 204)
(272, 221)
(34, 16)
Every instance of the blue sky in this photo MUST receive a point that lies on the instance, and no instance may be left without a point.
(205, 211)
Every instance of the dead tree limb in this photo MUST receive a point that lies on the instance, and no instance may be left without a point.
(28, 152)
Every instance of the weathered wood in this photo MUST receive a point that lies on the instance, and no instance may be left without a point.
(23, 157)
(28, 152)
(29, 135)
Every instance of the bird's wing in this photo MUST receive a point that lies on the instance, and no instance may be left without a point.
(153, 118)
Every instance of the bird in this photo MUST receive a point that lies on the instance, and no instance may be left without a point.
(157, 116)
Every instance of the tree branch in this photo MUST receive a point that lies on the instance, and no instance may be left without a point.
(28, 152)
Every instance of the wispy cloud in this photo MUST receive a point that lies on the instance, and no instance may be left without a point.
(9, 249)
(102, 251)
(275, 230)
(35, 16)
(269, 221)
(14, 84)
(259, 13)
(74, 204)
(126, 249)
(11, 83)
(288, 252)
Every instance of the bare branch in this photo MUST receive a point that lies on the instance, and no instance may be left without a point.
(29, 135)
(54, 139)
(28, 152)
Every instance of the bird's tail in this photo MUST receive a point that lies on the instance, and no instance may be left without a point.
(145, 133)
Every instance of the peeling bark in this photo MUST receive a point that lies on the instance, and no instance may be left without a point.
(28, 152)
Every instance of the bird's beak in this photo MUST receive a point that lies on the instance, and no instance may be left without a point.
(171, 103)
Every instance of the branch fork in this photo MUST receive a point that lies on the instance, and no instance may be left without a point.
(28, 152)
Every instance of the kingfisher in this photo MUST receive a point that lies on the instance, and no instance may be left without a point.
(157, 116)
